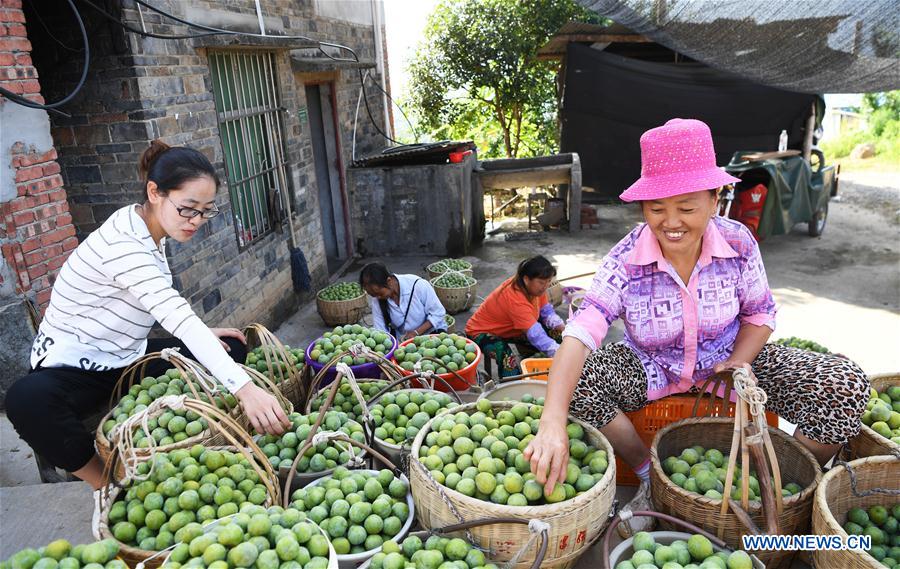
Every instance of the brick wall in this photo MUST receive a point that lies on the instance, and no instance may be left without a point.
(144, 88)
(36, 229)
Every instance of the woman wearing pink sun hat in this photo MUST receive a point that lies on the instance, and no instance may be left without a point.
(692, 291)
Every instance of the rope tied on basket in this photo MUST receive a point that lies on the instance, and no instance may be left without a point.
(328, 436)
(751, 437)
(174, 354)
(359, 350)
(122, 436)
(446, 500)
(345, 370)
(872, 491)
(427, 375)
(535, 528)
(747, 389)
(167, 353)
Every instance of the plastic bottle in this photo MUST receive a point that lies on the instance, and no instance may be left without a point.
(782, 141)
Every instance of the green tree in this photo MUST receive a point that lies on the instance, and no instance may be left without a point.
(476, 75)
(882, 109)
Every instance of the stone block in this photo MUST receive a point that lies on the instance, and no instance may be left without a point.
(128, 131)
(82, 175)
(15, 348)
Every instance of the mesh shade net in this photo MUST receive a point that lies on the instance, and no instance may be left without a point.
(826, 46)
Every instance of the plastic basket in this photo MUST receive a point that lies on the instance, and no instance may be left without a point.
(469, 374)
(662, 413)
(367, 370)
(529, 365)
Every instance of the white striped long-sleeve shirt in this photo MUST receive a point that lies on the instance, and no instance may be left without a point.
(107, 295)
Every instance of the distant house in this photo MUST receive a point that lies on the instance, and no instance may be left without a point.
(840, 121)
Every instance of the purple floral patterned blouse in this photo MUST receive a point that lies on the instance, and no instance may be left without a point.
(678, 332)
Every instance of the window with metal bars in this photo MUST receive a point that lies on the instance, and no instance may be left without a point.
(245, 88)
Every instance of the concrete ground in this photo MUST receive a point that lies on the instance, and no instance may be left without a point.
(841, 290)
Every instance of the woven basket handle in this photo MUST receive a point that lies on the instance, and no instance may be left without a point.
(232, 432)
(384, 364)
(607, 535)
(336, 437)
(262, 381)
(450, 371)
(191, 372)
(751, 436)
(542, 551)
(267, 339)
(711, 398)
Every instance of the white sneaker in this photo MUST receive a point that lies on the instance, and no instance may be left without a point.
(640, 502)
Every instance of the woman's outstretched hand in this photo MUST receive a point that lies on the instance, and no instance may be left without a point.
(548, 453)
(265, 414)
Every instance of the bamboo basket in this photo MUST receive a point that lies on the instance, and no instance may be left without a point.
(834, 498)
(353, 560)
(456, 299)
(395, 451)
(555, 292)
(236, 440)
(796, 464)
(332, 554)
(194, 375)
(341, 312)
(289, 381)
(625, 549)
(457, 529)
(574, 524)
(868, 442)
(208, 437)
(437, 269)
(322, 395)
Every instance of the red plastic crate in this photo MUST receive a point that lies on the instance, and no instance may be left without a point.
(663, 412)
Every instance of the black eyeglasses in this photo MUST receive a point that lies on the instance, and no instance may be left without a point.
(191, 213)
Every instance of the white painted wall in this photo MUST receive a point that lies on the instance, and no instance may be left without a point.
(20, 124)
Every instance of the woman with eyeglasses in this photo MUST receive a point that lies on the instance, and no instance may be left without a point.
(111, 290)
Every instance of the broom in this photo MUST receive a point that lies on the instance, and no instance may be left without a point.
(299, 269)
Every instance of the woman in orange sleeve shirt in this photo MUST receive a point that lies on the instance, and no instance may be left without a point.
(518, 312)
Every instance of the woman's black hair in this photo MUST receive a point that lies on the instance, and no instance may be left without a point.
(374, 274)
(537, 267)
(169, 167)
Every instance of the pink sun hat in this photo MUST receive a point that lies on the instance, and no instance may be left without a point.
(677, 158)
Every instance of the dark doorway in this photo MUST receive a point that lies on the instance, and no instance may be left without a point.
(324, 136)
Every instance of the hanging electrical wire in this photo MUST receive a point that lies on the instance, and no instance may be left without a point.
(207, 31)
(25, 102)
(319, 44)
(144, 33)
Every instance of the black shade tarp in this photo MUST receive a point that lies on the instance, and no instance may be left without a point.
(822, 46)
(609, 101)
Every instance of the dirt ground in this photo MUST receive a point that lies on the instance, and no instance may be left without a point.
(842, 289)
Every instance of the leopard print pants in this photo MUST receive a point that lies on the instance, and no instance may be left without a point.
(823, 394)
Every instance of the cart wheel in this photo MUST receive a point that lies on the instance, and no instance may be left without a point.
(817, 223)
